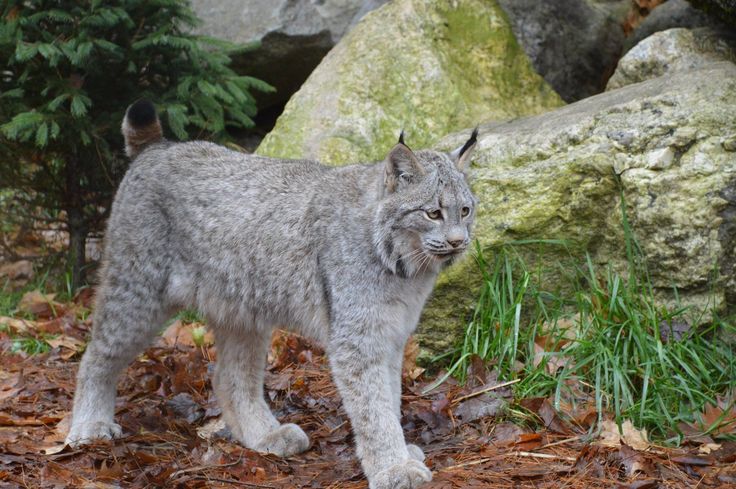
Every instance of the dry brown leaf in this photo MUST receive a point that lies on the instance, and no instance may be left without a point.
(40, 305)
(18, 326)
(554, 361)
(634, 461)
(528, 442)
(707, 448)
(70, 343)
(410, 367)
(211, 428)
(611, 437)
(190, 334)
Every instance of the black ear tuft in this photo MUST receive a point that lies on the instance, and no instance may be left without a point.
(141, 114)
(469, 143)
(401, 138)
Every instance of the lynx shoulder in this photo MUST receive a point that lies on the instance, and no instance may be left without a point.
(345, 255)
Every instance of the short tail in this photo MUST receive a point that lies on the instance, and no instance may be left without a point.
(140, 128)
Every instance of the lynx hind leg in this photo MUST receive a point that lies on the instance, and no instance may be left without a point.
(126, 319)
(238, 382)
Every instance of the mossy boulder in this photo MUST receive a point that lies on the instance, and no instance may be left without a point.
(672, 50)
(668, 145)
(429, 67)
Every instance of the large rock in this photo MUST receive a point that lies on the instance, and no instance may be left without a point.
(429, 67)
(671, 14)
(671, 51)
(294, 35)
(670, 141)
(573, 44)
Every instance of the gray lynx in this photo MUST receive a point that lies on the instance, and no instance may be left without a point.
(347, 256)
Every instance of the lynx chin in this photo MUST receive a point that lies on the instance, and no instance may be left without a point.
(345, 255)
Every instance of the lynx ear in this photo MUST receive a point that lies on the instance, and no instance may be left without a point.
(461, 156)
(401, 166)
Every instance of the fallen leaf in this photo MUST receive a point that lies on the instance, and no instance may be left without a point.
(184, 406)
(214, 428)
(40, 305)
(18, 326)
(112, 473)
(479, 407)
(54, 449)
(548, 414)
(642, 484)
(528, 442)
(634, 461)
(64, 341)
(9, 420)
(410, 368)
(707, 448)
(674, 330)
(610, 435)
(635, 438)
(692, 460)
(505, 434)
(19, 272)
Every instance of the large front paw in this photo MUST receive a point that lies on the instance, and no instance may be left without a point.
(406, 475)
(84, 433)
(284, 441)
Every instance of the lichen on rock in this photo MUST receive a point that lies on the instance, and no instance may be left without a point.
(663, 144)
(428, 67)
(670, 51)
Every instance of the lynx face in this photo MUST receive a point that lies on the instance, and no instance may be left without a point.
(428, 210)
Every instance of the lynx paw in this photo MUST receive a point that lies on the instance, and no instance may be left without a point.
(284, 441)
(406, 475)
(84, 433)
(415, 452)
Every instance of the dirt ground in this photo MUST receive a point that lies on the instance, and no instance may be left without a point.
(173, 436)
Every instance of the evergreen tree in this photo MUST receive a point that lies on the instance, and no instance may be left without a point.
(71, 67)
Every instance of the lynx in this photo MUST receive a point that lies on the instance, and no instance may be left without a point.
(345, 255)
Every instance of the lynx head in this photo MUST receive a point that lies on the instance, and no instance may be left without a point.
(426, 212)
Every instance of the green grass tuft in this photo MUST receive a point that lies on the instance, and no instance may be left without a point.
(599, 340)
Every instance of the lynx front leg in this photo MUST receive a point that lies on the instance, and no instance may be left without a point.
(238, 382)
(360, 367)
(396, 362)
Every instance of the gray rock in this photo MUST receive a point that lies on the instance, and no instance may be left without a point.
(573, 44)
(671, 14)
(294, 35)
(429, 67)
(671, 51)
(556, 176)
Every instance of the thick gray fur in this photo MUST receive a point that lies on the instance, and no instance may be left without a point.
(345, 255)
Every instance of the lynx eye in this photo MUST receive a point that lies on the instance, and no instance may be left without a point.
(434, 214)
(465, 211)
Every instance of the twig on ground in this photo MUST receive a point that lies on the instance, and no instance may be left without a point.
(201, 468)
(560, 442)
(543, 455)
(483, 391)
(231, 481)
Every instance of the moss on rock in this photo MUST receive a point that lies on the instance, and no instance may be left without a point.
(428, 67)
(665, 143)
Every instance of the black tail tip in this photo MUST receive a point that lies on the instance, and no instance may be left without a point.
(141, 114)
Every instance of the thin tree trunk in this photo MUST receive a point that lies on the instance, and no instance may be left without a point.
(77, 247)
(76, 223)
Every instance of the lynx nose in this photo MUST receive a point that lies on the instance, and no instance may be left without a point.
(456, 238)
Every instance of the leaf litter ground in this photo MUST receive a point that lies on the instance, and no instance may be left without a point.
(174, 436)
